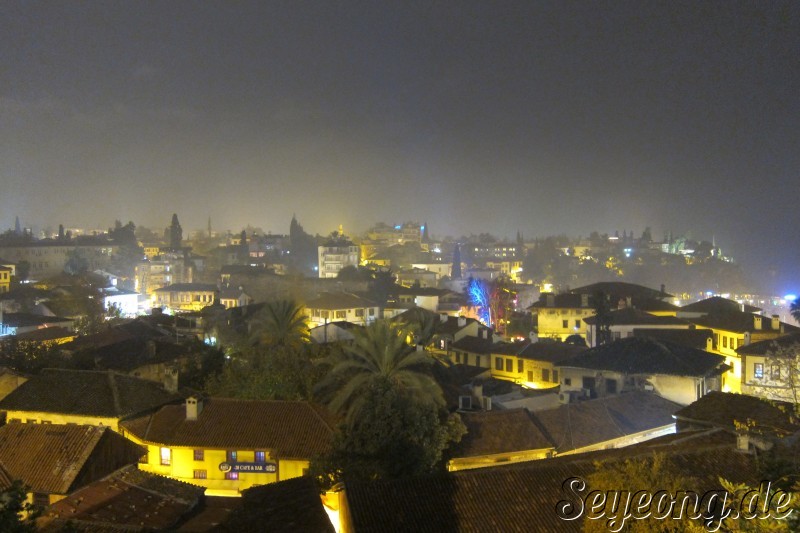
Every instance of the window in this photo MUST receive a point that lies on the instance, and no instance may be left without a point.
(498, 363)
(530, 375)
(360, 312)
(520, 366)
(565, 324)
(758, 370)
(724, 342)
(144, 459)
(371, 311)
(509, 365)
(261, 456)
(200, 474)
(577, 324)
(199, 455)
(611, 386)
(567, 381)
(776, 372)
(231, 475)
(733, 343)
(555, 376)
(166, 456)
(230, 456)
(545, 374)
(341, 314)
(477, 360)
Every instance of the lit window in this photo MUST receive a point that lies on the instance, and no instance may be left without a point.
(199, 455)
(545, 374)
(230, 456)
(555, 376)
(231, 475)
(776, 372)
(166, 456)
(200, 474)
(261, 457)
(498, 363)
(509, 365)
(520, 366)
(758, 370)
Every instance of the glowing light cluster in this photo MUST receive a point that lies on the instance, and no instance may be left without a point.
(479, 298)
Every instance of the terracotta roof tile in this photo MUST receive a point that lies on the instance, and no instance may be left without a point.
(500, 431)
(89, 393)
(290, 429)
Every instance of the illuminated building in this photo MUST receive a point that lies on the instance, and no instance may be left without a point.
(561, 315)
(512, 269)
(5, 278)
(228, 445)
(337, 306)
(60, 396)
(184, 296)
(335, 254)
(234, 298)
(675, 372)
(47, 258)
(771, 375)
(164, 270)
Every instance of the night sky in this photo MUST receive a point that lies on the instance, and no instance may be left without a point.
(544, 117)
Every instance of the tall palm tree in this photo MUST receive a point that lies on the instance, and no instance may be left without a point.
(379, 355)
(281, 324)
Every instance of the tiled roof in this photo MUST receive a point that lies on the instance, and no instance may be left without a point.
(552, 352)
(561, 301)
(289, 506)
(509, 348)
(653, 305)
(49, 458)
(522, 497)
(722, 409)
(644, 355)
(500, 431)
(127, 500)
(763, 347)
(630, 316)
(188, 287)
(290, 429)
(693, 338)
(86, 393)
(45, 334)
(339, 300)
(580, 424)
(620, 289)
(473, 345)
(21, 320)
(740, 322)
(718, 305)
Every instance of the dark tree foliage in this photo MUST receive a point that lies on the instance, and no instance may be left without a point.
(602, 310)
(455, 272)
(16, 513)
(394, 436)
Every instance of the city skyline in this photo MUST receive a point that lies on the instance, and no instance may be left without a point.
(474, 117)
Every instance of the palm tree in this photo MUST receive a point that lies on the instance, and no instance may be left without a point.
(281, 324)
(795, 310)
(379, 355)
(420, 324)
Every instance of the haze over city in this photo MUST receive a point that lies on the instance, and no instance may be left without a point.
(475, 117)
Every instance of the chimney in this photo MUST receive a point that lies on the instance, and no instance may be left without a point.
(629, 302)
(710, 344)
(663, 287)
(194, 406)
(757, 322)
(550, 299)
(442, 317)
(776, 323)
(462, 321)
(584, 300)
(534, 337)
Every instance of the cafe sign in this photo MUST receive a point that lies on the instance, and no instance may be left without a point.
(251, 468)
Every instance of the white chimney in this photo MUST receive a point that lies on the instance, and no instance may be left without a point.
(776, 322)
(462, 321)
(584, 300)
(442, 317)
(194, 406)
(756, 322)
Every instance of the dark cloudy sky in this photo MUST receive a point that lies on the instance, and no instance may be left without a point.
(547, 117)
